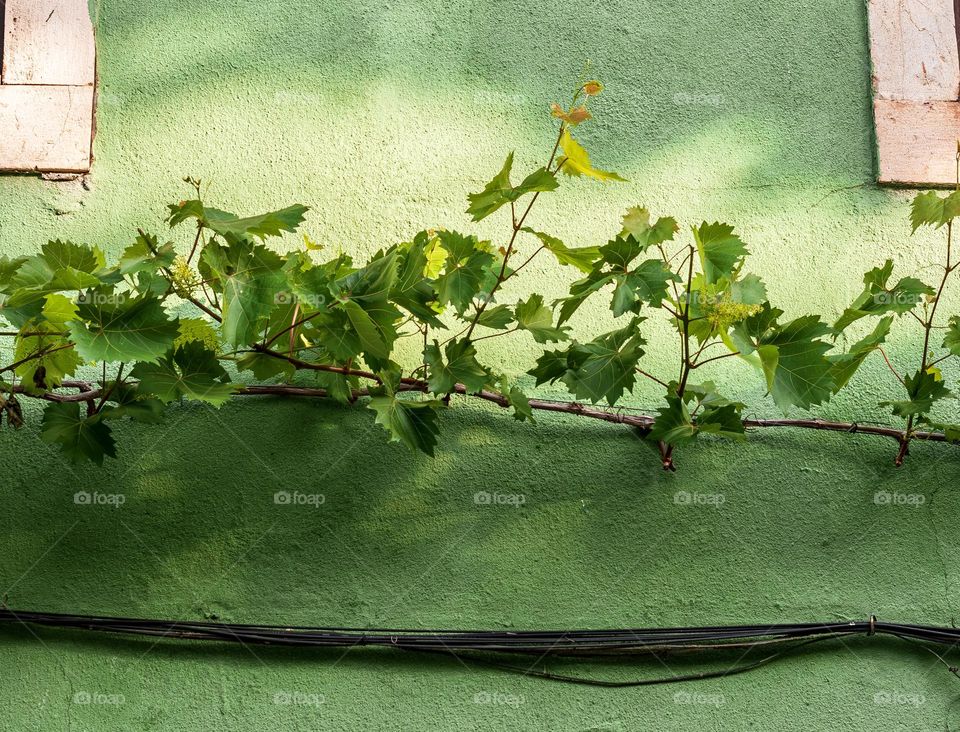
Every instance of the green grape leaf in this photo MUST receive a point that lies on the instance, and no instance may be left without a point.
(412, 423)
(500, 191)
(497, 318)
(721, 251)
(536, 318)
(951, 340)
(492, 197)
(583, 258)
(140, 257)
(846, 364)
(250, 277)
(798, 373)
(517, 400)
(130, 403)
(59, 255)
(924, 388)
(636, 223)
(197, 329)
(722, 421)
(230, 225)
(465, 270)
(461, 366)
(746, 334)
(580, 291)
(374, 282)
(191, 371)
(264, 366)
(576, 161)
(878, 299)
(929, 209)
(114, 327)
(605, 367)
(375, 338)
(8, 270)
(646, 283)
(706, 395)
(339, 386)
(621, 251)
(62, 266)
(673, 424)
(748, 290)
(58, 361)
(950, 431)
(551, 365)
(80, 438)
(59, 309)
(413, 291)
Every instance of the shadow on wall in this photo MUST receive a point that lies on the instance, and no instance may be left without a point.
(787, 82)
(318, 521)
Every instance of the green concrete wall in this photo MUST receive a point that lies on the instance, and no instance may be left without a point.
(381, 116)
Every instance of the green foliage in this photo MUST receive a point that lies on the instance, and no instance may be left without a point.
(499, 191)
(191, 371)
(414, 423)
(81, 438)
(576, 161)
(459, 366)
(405, 331)
(924, 389)
(112, 326)
(877, 298)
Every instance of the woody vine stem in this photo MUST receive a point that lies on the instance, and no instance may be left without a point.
(100, 343)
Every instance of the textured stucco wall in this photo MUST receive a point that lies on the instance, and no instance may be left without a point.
(382, 115)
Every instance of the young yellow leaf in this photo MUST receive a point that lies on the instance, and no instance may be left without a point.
(576, 161)
(575, 116)
(311, 245)
(592, 88)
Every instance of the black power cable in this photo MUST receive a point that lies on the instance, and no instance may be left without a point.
(487, 646)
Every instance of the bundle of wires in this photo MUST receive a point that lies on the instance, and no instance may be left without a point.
(486, 646)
